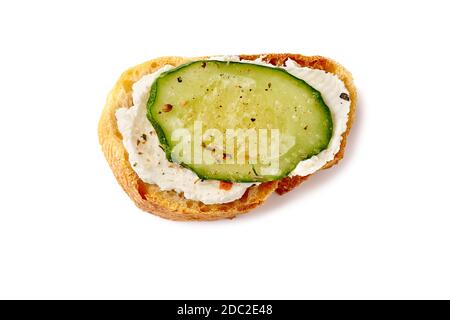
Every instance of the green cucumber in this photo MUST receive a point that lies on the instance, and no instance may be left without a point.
(215, 97)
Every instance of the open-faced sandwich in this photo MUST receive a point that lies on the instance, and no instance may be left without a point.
(213, 137)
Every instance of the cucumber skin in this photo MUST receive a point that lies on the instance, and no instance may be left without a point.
(164, 143)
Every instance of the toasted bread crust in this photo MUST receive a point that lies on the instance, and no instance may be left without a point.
(169, 204)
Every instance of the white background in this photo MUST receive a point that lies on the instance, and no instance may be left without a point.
(375, 226)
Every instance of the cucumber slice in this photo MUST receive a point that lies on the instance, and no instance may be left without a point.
(194, 107)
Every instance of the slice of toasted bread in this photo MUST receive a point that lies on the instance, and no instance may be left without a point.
(169, 204)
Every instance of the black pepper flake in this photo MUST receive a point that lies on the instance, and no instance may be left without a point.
(179, 79)
(305, 128)
(203, 64)
(269, 84)
(240, 97)
(209, 148)
(344, 96)
(161, 148)
(266, 89)
(220, 106)
(144, 137)
(135, 164)
(139, 153)
(253, 119)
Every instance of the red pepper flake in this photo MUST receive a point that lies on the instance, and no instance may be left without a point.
(226, 156)
(142, 189)
(167, 107)
(224, 185)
